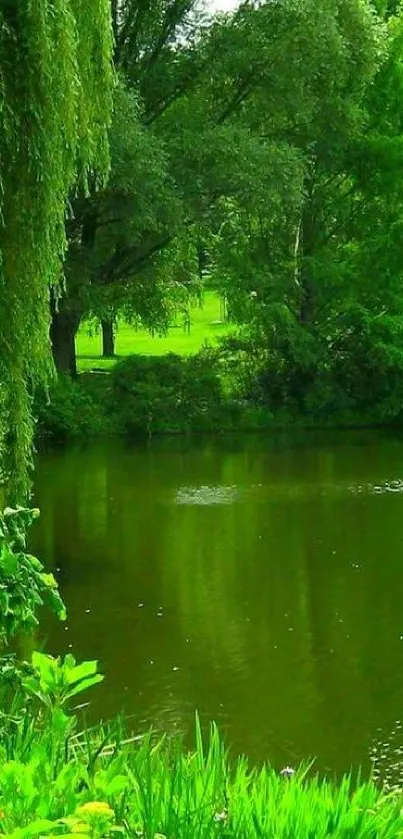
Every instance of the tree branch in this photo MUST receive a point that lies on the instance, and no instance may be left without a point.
(173, 17)
(244, 90)
(132, 21)
(178, 91)
(126, 262)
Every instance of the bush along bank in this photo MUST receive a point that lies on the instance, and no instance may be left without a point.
(236, 387)
(58, 780)
(73, 410)
(142, 396)
(172, 394)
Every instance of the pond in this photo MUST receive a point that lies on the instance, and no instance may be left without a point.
(258, 580)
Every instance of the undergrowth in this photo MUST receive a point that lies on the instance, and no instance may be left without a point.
(99, 783)
(218, 390)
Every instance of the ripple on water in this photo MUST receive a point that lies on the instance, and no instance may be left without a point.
(207, 495)
(232, 494)
(211, 495)
(395, 486)
(386, 756)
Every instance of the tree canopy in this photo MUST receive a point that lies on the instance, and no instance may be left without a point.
(254, 121)
(258, 151)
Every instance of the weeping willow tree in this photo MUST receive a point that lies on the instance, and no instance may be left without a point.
(55, 100)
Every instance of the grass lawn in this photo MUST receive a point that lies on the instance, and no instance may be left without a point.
(205, 327)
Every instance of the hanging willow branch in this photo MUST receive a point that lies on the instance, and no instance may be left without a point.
(55, 103)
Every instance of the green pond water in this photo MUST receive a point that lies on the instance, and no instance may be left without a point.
(258, 580)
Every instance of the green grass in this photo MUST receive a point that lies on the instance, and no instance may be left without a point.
(205, 327)
(150, 789)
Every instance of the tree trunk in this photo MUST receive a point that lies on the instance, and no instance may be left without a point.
(108, 339)
(63, 331)
(307, 246)
(67, 312)
(307, 310)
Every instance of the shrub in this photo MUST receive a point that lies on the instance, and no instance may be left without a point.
(169, 394)
(71, 410)
(367, 364)
(345, 371)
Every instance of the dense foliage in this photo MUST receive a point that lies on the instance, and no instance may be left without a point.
(55, 92)
(260, 153)
(24, 584)
(313, 276)
(168, 394)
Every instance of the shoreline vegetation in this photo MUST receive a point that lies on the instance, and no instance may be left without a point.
(207, 375)
(100, 783)
(86, 409)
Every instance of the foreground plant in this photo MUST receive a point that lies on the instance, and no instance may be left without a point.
(94, 819)
(98, 784)
(54, 682)
(24, 584)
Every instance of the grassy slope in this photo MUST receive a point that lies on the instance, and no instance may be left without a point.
(205, 327)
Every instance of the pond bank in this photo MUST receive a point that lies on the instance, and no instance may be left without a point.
(143, 398)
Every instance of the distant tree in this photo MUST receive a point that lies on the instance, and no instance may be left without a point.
(157, 60)
(176, 152)
(238, 135)
(318, 113)
(317, 282)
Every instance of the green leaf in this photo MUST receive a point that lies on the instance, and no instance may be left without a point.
(81, 671)
(8, 561)
(47, 667)
(49, 580)
(34, 829)
(116, 785)
(84, 685)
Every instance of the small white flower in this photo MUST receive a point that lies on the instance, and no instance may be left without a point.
(287, 772)
(221, 817)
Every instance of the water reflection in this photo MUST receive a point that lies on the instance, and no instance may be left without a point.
(258, 581)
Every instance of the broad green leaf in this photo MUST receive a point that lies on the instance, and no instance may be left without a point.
(36, 828)
(116, 785)
(8, 561)
(81, 671)
(84, 685)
